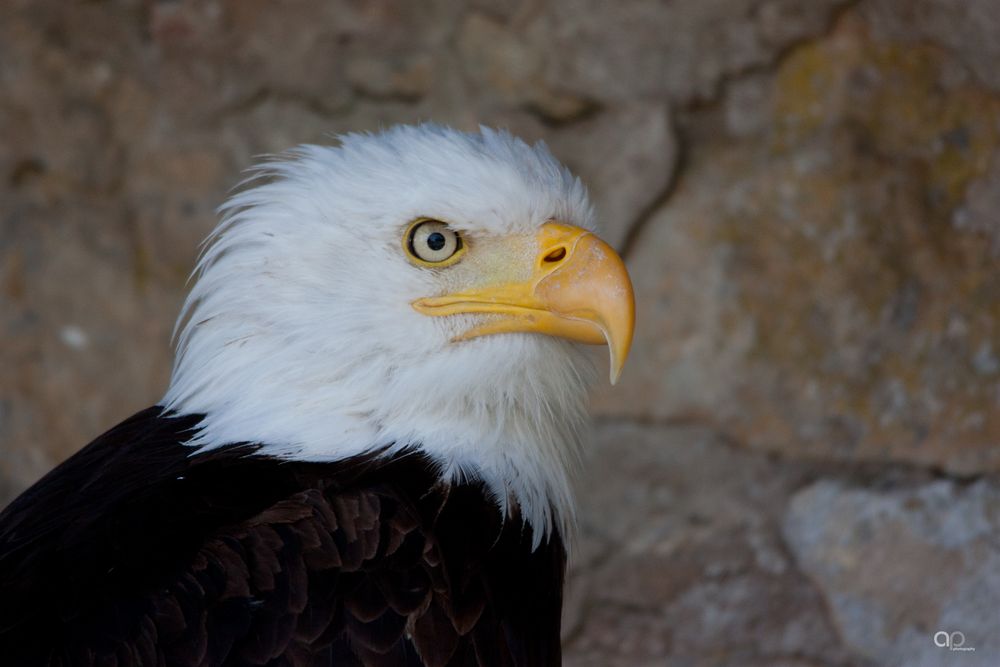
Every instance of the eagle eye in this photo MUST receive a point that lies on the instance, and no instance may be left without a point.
(433, 243)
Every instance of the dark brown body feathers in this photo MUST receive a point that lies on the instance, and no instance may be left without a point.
(134, 552)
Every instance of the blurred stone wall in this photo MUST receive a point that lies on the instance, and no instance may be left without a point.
(800, 466)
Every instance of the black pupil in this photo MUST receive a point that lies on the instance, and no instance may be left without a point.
(436, 241)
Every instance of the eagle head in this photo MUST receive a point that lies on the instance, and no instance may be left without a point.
(415, 289)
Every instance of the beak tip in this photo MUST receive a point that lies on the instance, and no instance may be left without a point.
(615, 373)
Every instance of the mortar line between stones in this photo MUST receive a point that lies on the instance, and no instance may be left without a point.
(650, 210)
(834, 467)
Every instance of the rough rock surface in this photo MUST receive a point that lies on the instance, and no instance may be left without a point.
(684, 564)
(800, 465)
(828, 284)
(900, 565)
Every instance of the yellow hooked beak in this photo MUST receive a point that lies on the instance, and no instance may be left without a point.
(578, 289)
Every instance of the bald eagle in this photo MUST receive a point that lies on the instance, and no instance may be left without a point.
(365, 453)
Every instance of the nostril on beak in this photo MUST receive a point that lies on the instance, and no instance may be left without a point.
(556, 255)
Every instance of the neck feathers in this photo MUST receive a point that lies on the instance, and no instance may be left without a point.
(514, 426)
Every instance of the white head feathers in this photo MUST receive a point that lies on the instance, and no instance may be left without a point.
(299, 333)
